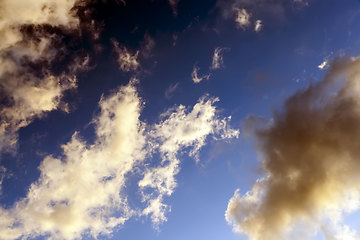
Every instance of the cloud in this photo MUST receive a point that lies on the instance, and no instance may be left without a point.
(29, 100)
(83, 190)
(242, 18)
(274, 12)
(310, 157)
(171, 90)
(127, 60)
(323, 64)
(174, 4)
(196, 78)
(148, 46)
(27, 92)
(179, 129)
(217, 59)
(258, 25)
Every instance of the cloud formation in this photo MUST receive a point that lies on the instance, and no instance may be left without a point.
(27, 93)
(310, 157)
(242, 11)
(179, 129)
(217, 58)
(127, 60)
(169, 92)
(196, 77)
(242, 18)
(258, 25)
(82, 191)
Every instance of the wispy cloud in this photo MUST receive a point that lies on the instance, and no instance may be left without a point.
(169, 92)
(198, 78)
(179, 130)
(217, 58)
(126, 59)
(310, 158)
(243, 11)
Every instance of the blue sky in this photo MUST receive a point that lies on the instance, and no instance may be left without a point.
(106, 134)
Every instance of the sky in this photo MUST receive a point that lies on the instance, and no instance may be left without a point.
(179, 119)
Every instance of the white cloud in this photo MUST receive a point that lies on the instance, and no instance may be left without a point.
(30, 94)
(81, 192)
(127, 60)
(323, 64)
(242, 18)
(311, 160)
(258, 25)
(196, 77)
(180, 129)
(217, 58)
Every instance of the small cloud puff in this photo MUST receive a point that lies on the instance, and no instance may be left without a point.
(242, 18)
(217, 58)
(127, 60)
(258, 25)
(196, 77)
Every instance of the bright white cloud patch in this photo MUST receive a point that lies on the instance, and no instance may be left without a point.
(82, 192)
(242, 18)
(127, 60)
(179, 129)
(28, 94)
(323, 64)
(196, 77)
(258, 25)
(311, 160)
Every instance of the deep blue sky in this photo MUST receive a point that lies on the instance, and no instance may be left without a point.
(260, 70)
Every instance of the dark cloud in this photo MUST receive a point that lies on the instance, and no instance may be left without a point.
(311, 160)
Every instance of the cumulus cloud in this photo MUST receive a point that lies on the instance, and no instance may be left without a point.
(217, 58)
(82, 191)
(196, 77)
(179, 129)
(127, 60)
(27, 93)
(310, 157)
